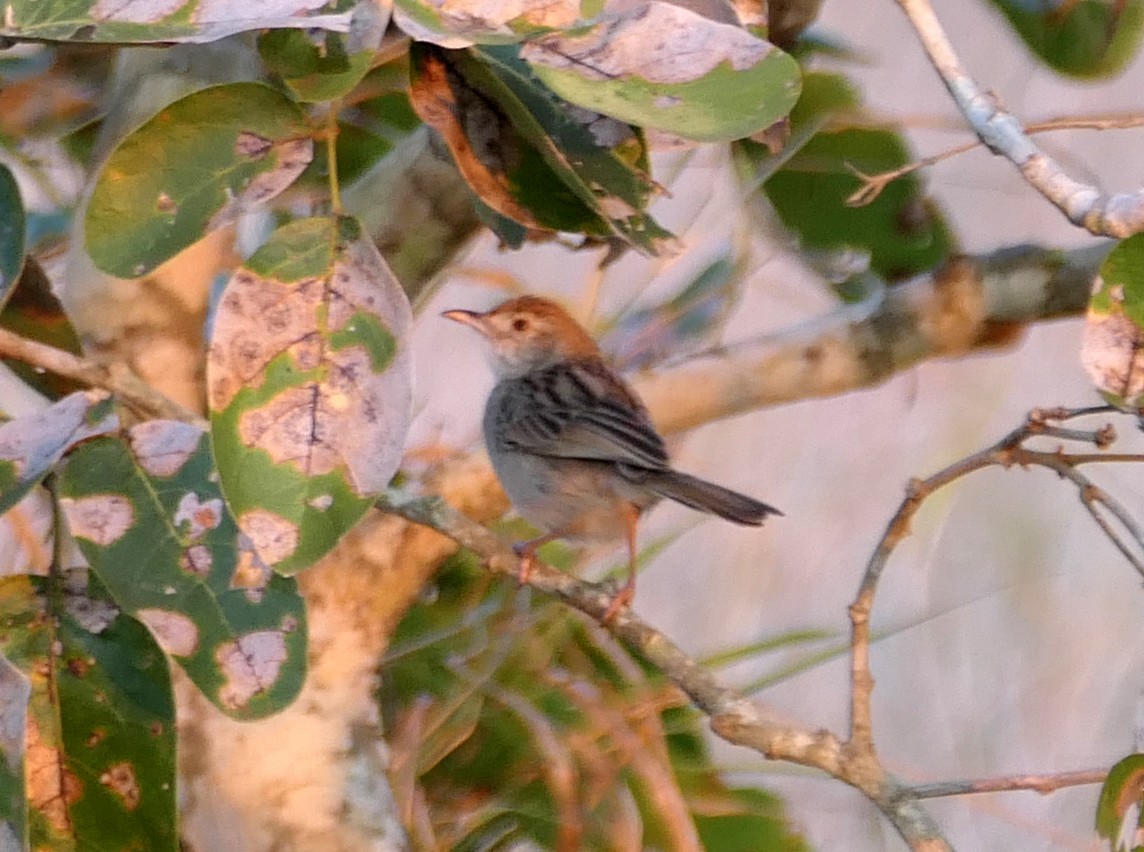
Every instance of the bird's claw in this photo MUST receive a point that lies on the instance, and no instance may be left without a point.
(527, 558)
(620, 601)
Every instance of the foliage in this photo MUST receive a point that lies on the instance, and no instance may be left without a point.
(549, 112)
(517, 721)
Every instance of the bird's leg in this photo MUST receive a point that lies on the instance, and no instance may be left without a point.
(625, 595)
(526, 550)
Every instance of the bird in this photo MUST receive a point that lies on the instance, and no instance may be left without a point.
(572, 444)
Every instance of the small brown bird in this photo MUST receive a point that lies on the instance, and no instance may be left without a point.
(572, 445)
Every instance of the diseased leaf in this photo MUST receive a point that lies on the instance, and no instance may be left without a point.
(99, 740)
(1083, 38)
(460, 23)
(1123, 788)
(530, 158)
(602, 160)
(197, 165)
(148, 515)
(144, 21)
(11, 234)
(34, 312)
(1112, 350)
(663, 66)
(30, 446)
(309, 383)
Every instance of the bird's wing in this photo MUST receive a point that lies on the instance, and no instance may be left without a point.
(577, 410)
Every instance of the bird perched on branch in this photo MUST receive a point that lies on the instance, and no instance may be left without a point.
(572, 445)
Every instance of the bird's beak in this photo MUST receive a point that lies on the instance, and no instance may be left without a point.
(469, 318)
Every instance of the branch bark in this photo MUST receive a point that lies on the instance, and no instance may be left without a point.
(972, 303)
(136, 393)
(1119, 215)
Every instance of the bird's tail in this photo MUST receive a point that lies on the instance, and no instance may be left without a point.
(708, 497)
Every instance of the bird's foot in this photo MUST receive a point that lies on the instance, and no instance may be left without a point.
(620, 601)
(527, 554)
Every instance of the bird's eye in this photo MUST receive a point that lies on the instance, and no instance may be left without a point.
(519, 324)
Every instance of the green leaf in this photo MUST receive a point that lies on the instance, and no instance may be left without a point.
(309, 381)
(99, 741)
(809, 184)
(745, 820)
(197, 165)
(1112, 350)
(320, 65)
(1082, 38)
(1123, 788)
(357, 150)
(527, 156)
(148, 21)
(660, 65)
(11, 234)
(30, 446)
(148, 515)
(603, 161)
(34, 312)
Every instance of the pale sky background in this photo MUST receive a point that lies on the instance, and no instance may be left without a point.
(1014, 622)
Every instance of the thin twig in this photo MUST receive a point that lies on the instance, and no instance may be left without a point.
(1007, 452)
(134, 392)
(1119, 215)
(873, 185)
(1043, 784)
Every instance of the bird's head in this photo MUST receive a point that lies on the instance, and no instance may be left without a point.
(528, 333)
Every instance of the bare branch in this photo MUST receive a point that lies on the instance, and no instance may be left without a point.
(1007, 452)
(1119, 215)
(872, 185)
(136, 393)
(1043, 784)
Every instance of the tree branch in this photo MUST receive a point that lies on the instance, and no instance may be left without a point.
(971, 303)
(732, 716)
(1007, 452)
(1043, 784)
(1119, 215)
(136, 393)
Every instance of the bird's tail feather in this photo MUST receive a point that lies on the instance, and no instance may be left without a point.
(708, 497)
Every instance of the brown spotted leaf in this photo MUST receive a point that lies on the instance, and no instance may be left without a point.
(148, 515)
(197, 165)
(460, 23)
(1112, 350)
(309, 382)
(144, 21)
(93, 731)
(659, 65)
(30, 446)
